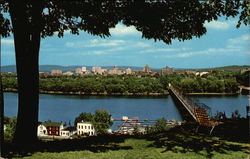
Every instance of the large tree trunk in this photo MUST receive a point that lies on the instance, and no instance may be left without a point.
(26, 29)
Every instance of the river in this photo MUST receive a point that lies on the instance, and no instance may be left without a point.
(66, 107)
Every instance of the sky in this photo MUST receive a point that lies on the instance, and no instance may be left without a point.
(222, 45)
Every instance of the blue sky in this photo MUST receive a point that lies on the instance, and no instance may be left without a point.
(222, 45)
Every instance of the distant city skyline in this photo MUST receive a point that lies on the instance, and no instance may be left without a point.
(222, 45)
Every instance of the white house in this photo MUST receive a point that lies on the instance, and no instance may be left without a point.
(85, 128)
(49, 128)
(68, 131)
(201, 73)
(42, 130)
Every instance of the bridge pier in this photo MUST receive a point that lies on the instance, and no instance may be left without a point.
(244, 90)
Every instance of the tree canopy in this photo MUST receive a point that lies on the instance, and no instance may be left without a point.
(29, 20)
(157, 19)
(101, 120)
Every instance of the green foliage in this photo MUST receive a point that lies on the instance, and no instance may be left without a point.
(95, 84)
(244, 78)
(6, 120)
(136, 130)
(10, 124)
(102, 121)
(178, 143)
(160, 126)
(86, 117)
(9, 82)
(155, 19)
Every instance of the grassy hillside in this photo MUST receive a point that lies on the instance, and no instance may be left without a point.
(225, 68)
(229, 141)
(143, 149)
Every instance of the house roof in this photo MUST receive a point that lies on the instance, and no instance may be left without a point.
(70, 128)
(52, 124)
(83, 122)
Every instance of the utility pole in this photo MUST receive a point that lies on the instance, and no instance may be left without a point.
(1, 108)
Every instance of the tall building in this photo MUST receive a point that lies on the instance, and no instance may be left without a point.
(78, 71)
(97, 70)
(167, 70)
(84, 69)
(56, 72)
(116, 68)
(128, 71)
(146, 68)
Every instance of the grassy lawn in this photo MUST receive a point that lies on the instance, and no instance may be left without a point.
(142, 149)
(177, 143)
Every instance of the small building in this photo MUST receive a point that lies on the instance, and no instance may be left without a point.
(84, 69)
(49, 128)
(124, 118)
(78, 71)
(201, 73)
(85, 128)
(128, 71)
(56, 72)
(167, 71)
(68, 131)
(68, 73)
(42, 130)
(97, 70)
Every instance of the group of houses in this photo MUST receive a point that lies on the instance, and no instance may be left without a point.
(49, 128)
(128, 126)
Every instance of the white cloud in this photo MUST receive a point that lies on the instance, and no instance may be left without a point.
(240, 40)
(209, 51)
(107, 51)
(98, 52)
(219, 25)
(122, 30)
(238, 45)
(164, 50)
(94, 43)
(241, 43)
(104, 43)
(142, 44)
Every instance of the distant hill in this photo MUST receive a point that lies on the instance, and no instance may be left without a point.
(225, 68)
(48, 68)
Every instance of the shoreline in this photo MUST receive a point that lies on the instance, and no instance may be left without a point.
(123, 94)
(217, 94)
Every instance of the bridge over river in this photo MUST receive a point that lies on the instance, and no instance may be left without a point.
(244, 90)
(191, 111)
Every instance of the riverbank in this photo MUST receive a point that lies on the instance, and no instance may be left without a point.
(95, 93)
(125, 94)
(213, 94)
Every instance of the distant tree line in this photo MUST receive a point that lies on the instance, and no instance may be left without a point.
(244, 78)
(218, 82)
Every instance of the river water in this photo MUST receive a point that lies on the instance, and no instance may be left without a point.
(66, 107)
